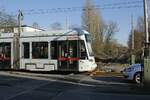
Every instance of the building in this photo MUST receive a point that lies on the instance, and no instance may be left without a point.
(24, 28)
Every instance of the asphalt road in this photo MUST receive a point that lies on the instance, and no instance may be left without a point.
(34, 88)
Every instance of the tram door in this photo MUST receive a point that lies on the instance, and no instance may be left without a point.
(5, 55)
(68, 55)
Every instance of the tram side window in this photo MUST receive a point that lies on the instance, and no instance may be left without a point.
(1, 50)
(5, 50)
(39, 50)
(54, 50)
(83, 53)
(26, 50)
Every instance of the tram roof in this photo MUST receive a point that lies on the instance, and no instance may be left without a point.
(47, 33)
(55, 33)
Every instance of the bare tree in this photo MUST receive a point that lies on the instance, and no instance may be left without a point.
(103, 42)
(139, 38)
(93, 23)
(56, 26)
(35, 25)
(74, 26)
(140, 24)
(111, 29)
(7, 20)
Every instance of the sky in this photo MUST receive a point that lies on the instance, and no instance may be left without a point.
(121, 16)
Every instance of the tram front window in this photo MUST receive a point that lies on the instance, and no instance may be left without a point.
(7, 51)
(83, 53)
(89, 41)
(88, 38)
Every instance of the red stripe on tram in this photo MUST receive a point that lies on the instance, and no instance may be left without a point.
(4, 58)
(1, 58)
(73, 59)
(68, 59)
(7, 58)
(62, 59)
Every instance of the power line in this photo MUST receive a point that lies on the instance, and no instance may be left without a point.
(121, 5)
(113, 6)
(105, 5)
(81, 9)
(49, 11)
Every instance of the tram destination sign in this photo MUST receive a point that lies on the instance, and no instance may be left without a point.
(72, 37)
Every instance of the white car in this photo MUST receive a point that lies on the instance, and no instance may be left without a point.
(133, 72)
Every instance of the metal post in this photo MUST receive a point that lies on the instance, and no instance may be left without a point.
(146, 21)
(132, 34)
(19, 22)
(17, 42)
(146, 68)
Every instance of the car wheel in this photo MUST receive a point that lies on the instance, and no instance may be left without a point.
(137, 78)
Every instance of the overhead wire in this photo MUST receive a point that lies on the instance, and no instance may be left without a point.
(111, 6)
(120, 5)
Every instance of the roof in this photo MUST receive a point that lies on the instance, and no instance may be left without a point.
(48, 33)
(21, 26)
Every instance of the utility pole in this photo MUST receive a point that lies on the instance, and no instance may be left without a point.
(146, 68)
(132, 35)
(17, 42)
(146, 21)
(20, 15)
(132, 32)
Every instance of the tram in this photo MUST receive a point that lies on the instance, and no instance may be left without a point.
(59, 50)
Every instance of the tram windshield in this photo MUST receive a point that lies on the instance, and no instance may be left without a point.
(89, 41)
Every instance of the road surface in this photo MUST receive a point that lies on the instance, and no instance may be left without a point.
(18, 87)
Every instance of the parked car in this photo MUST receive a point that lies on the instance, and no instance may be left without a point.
(133, 72)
